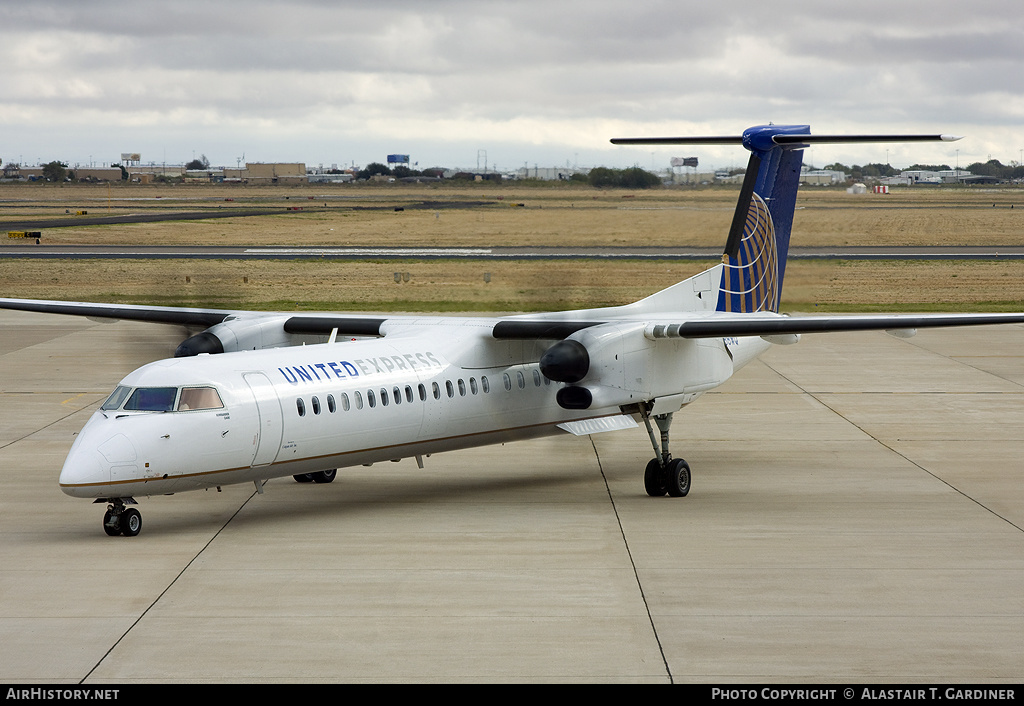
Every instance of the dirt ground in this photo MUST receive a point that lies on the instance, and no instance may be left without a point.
(487, 215)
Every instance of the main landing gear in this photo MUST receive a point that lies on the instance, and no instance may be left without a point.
(664, 474)
(119, 519)
(317, 477)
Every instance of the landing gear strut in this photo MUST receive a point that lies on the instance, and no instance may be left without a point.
(119, 519)
(664, 474)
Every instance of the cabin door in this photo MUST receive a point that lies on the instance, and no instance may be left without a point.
(268, 439)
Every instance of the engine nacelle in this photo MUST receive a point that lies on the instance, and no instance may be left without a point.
(244, 334)
(616, 364)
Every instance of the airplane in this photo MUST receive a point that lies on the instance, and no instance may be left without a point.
(258, 395)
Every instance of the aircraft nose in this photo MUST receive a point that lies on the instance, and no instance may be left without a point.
(82, 470)
(86, 469)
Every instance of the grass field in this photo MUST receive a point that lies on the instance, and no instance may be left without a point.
(488, 215)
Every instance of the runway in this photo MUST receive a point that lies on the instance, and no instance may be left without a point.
(857, 515)
(485, 252)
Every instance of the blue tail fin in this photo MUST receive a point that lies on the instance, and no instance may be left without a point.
(755, 253)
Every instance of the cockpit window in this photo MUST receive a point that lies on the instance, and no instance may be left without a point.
(152, 399)
(116, 397)
(199, 398)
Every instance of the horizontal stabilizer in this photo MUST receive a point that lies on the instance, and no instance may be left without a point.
(721, 140)
(781, 139)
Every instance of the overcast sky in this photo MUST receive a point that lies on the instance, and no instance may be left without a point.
(529, 82)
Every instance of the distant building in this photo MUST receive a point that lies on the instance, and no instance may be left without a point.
(823, 177)
(910, 177)
(547, 173)
(148, 173)
(330, 178)
(97, 173)
(202, 176)
(269, 173)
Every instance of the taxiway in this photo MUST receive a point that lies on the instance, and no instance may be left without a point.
(857, 514)
(22, 250)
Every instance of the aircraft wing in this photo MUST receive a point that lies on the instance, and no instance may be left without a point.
(156, 314)
(754, 325)
(724, 325)
(551, 327)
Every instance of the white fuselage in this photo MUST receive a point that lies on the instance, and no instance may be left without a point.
(288, 411)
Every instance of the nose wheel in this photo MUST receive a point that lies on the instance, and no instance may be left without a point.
(121, 520)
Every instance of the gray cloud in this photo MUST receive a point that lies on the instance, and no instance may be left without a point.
(533, 80)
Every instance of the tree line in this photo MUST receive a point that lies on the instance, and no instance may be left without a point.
(992, 168)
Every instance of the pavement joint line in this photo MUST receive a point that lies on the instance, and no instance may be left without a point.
(632, 563)
(167, 588)
(12, 442)
(882, 443)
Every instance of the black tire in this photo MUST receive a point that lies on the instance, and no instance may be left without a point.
(655, 479)
(112, 529)
(303, 478)
(325, 476)
(678, 478)
(131, 522)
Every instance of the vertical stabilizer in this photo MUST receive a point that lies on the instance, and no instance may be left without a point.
(755, 253)
(754, 262)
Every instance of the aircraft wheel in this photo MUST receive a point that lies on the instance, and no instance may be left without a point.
(324, 476)
(678, 472)
(111, 525)
(303, 478)
(655, 479)
(131, 522)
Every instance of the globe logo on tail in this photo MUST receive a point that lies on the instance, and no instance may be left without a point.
(750, 280)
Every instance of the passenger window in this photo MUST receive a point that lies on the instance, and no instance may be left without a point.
(398, 395)
(370, 399)
(152, 399)
(508, 381)
(359, 400)
(449, 388)
(316, 405)
(408, 393)
(423, 392)
(383, 397)
(536, 378)
(462, 387)
(300, 406)
(199, 398)
(485, 384)
(520, 379)
(472, 385)
(344, 401)
(437, 391)
(331, 407)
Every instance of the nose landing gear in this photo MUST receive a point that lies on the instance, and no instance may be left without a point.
(119, 519)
